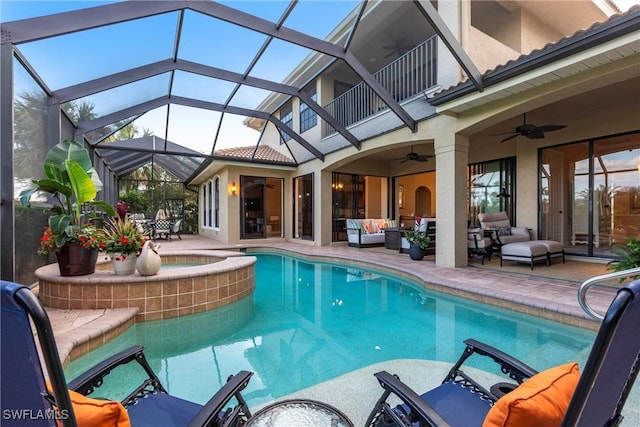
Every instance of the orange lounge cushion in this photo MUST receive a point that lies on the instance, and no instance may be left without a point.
(541, 401)
(97, 412)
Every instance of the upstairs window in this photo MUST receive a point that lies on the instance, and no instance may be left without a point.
(286, 117)
(308, 117)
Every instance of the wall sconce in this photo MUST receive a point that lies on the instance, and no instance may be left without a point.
(234, 189)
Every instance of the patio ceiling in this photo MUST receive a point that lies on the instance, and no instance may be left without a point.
(188, 73)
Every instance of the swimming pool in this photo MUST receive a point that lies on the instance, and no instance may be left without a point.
(310, 322)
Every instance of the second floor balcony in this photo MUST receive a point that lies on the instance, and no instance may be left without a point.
(410, 74)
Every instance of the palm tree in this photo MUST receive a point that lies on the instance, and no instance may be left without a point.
(29, 143)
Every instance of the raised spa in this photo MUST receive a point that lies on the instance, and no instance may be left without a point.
(222, 277)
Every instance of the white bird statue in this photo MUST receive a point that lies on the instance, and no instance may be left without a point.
(149, 261)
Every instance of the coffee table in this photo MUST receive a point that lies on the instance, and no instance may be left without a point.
(299, 413)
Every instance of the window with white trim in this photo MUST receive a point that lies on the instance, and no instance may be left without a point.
(286, 117)
(308, 117)
(211, 203)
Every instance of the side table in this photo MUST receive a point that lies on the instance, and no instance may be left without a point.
(299, 413)
(392, 238)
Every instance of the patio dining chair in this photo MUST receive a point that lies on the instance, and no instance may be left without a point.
(556, 396)
(29, 400)
(176, 228)
(162, 228)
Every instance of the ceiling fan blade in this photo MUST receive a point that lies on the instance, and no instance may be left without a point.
(550, 128)
(536, 134)
(405, 160)
(504, 133)
(509, 137)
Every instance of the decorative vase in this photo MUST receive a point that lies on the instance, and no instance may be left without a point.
(416, 252)
(123, 264)
(149, 261)
(74, 260)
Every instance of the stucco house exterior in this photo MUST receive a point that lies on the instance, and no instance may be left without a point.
(466, 80)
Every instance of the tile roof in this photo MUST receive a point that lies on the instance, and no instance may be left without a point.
(262, 152)
(599, 32)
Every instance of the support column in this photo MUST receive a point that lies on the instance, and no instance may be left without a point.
(452, 154)
(323, 220)
(7, 229)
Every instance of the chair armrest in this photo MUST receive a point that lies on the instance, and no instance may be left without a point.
(418, 406)
(86, 382)
(516, 369)
(235, 384)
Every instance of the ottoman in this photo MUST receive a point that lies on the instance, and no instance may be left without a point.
(531, 251)
(554, 249)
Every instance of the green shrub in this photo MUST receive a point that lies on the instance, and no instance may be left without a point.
(629, 257)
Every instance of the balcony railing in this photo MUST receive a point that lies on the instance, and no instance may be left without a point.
(412, 73)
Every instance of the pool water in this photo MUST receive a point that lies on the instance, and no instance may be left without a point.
(310, 322)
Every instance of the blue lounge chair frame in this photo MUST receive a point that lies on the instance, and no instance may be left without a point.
(601, 393)
(26, 401)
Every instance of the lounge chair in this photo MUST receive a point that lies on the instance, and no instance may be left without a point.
(557, 395)
(502, 232)
(27, 400)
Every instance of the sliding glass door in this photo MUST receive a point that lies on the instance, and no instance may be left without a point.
(261, 205)
(590, 194)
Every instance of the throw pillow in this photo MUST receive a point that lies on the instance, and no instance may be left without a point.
(504, 231)
(97, 412)
(540, 401)
(368, 228)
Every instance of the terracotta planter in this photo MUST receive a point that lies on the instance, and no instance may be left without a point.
(74, 260)
(124, 264)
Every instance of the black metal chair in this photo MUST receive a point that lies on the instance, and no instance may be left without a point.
(28, 401)
(598, 399)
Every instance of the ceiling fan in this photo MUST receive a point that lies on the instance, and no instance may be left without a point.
(529, 130)
(415, 157)
(400, 47)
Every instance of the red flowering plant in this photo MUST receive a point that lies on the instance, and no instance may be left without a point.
(88, 235)
(123, 236)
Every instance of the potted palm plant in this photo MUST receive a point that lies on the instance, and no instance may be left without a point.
(124, 240)
(73, 184)
(418, 242)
